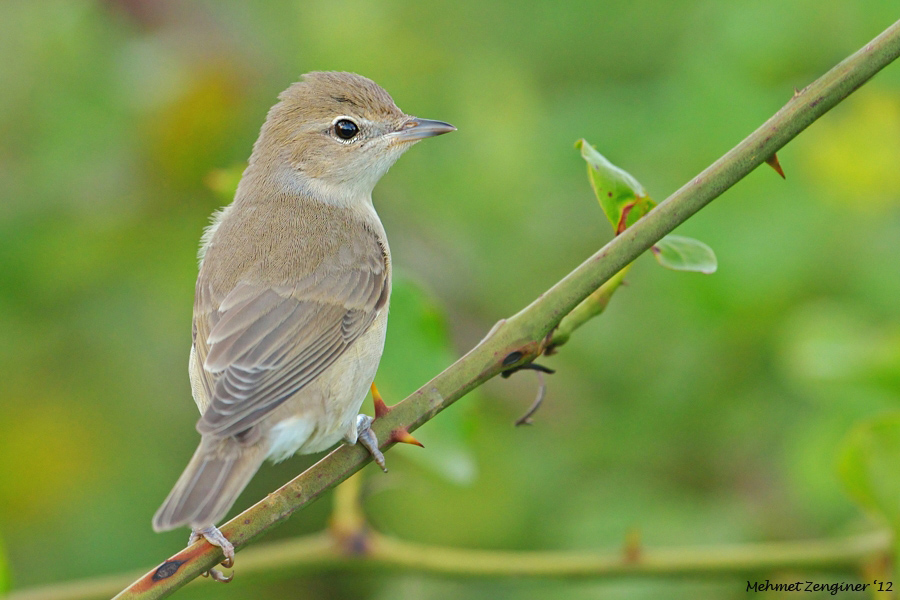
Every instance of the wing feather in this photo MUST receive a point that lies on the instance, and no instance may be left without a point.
(262, 344)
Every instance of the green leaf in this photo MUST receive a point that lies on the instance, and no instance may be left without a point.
(868, 465)
(621, 196)
(685, 254)
(418, 346)
(624, 201)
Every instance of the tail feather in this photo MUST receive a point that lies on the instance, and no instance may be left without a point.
(218, 472)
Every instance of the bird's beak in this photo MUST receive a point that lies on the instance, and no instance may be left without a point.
(416, 129)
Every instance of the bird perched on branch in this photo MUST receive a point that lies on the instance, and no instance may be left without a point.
(292, 296)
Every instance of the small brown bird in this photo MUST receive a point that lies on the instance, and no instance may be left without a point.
(292, 296)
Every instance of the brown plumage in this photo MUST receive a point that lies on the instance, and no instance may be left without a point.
(292, 296)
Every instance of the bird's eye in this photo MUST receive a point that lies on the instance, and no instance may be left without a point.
(346, 129)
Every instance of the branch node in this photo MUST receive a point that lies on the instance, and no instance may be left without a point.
(511, 359)
(633, 548)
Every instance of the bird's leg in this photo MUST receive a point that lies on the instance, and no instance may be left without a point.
(364, 434)
(215, 537)
(366, 437)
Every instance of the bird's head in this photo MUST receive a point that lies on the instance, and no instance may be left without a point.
(336, 134)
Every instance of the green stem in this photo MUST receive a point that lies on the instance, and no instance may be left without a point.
(522, 338)
(347, 519)
(323, 552)
(590, 307)
(801, 110)
(817, 555)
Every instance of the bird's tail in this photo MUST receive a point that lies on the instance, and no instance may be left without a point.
(212, 481)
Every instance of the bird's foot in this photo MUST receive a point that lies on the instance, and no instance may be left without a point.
(366, 437)
(215, 537)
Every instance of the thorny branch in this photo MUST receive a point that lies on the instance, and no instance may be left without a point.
(522, 338)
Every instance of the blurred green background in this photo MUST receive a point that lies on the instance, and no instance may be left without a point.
(697, 410)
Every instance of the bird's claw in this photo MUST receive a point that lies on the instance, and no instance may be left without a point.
(219, 576)
(215, 537)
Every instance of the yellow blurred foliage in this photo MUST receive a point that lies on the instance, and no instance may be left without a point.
(184, 136)
(854, 154)
(46, 452)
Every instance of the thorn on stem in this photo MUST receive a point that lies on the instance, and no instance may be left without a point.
(401, 435)
(381, 408)
(772, 161)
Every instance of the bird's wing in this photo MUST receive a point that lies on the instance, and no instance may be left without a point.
(265, 343)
